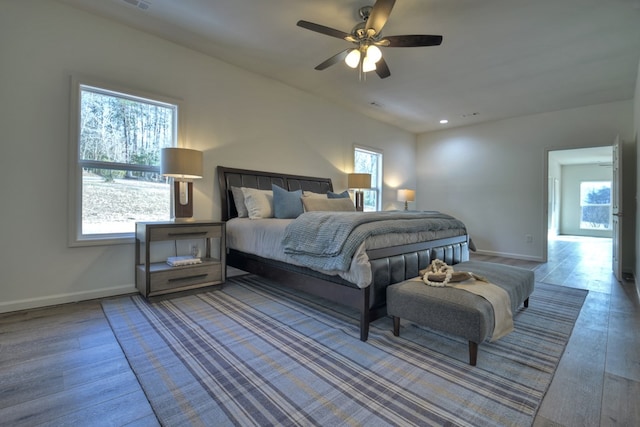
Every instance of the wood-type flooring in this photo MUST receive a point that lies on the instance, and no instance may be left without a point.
(63, 366)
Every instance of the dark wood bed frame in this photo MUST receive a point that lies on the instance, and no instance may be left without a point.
(389, 265)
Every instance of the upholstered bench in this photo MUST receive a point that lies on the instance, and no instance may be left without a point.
(456, 311)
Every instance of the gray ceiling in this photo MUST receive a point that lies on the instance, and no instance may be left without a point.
(499, 58)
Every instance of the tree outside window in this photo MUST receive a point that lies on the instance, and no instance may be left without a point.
(367, 160)
(595, 205)
(119, 138)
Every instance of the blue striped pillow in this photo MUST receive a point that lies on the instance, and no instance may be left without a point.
(343, 195)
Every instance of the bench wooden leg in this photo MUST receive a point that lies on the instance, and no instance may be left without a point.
(473, 353)
(396, 326)
(526, 303)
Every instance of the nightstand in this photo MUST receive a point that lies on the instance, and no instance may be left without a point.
(157, 241)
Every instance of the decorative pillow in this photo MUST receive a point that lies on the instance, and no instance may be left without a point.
(286, 204)
(343, 195)
(259, 202)
(312, 194)
(238, 200)
(332, 205)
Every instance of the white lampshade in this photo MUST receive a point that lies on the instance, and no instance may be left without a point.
(405, 195)
(181, 163)
(374, 53)
(359, 180)
(353, 58)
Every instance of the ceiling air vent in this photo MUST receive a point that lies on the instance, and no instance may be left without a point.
(140, 4)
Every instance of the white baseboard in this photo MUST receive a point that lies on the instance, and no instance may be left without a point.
(25, 304)
(508, 255)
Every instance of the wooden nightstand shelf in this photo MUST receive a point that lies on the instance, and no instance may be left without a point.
(155, 241)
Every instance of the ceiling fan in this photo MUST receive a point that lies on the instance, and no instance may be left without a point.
(367, 37)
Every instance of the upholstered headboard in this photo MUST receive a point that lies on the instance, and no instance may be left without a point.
(229, 177)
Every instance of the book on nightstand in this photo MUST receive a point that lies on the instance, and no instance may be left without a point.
(177, 261)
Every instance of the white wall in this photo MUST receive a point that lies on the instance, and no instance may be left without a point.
(237, 118)
(492, 175)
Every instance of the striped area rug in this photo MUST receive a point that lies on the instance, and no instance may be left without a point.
(255, 354)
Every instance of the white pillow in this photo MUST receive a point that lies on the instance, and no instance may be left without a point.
(312, 194)
(326, 204)
(259, 203)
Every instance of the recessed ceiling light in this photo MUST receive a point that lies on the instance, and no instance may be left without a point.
(444, 121)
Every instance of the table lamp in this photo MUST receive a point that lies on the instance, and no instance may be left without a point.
(406, 196)
(183, 165)
(358, 181)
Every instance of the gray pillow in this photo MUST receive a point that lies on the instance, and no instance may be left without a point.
(343, 195)
(286, 204)
(238, 200)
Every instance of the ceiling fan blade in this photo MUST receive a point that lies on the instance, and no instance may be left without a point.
(379, 15)
(382, 69)
(323, 30)
(413, 40)
(333, 60)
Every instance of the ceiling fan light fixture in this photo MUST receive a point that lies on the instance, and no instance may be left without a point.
(353, 58)
(374, 53)
(367, 38)
(368, 65)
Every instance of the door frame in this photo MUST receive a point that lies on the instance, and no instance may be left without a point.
(617, 209)
(545, 189)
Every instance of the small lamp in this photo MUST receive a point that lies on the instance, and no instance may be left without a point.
(183, 165)
(358, 181)
(406, 196)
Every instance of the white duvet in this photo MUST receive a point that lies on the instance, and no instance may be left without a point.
(263, 237)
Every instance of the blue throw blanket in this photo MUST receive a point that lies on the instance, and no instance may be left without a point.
(328, 240)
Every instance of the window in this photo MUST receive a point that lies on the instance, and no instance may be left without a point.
(367, 160)
(595, 205)
(117, 136)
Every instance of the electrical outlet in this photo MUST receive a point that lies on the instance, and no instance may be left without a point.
(528, 238)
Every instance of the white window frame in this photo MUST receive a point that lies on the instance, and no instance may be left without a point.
(376, 184)
(592, 183)
(75, 236)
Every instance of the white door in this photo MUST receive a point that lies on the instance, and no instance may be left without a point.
(616, 208)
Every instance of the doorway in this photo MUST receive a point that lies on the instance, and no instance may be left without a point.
(567, 171)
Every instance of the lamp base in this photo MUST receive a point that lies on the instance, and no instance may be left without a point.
(182, 212)
(359, 195)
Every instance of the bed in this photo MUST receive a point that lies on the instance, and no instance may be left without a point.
(391, 263)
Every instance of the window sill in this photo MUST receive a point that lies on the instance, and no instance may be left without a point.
(107, 240)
